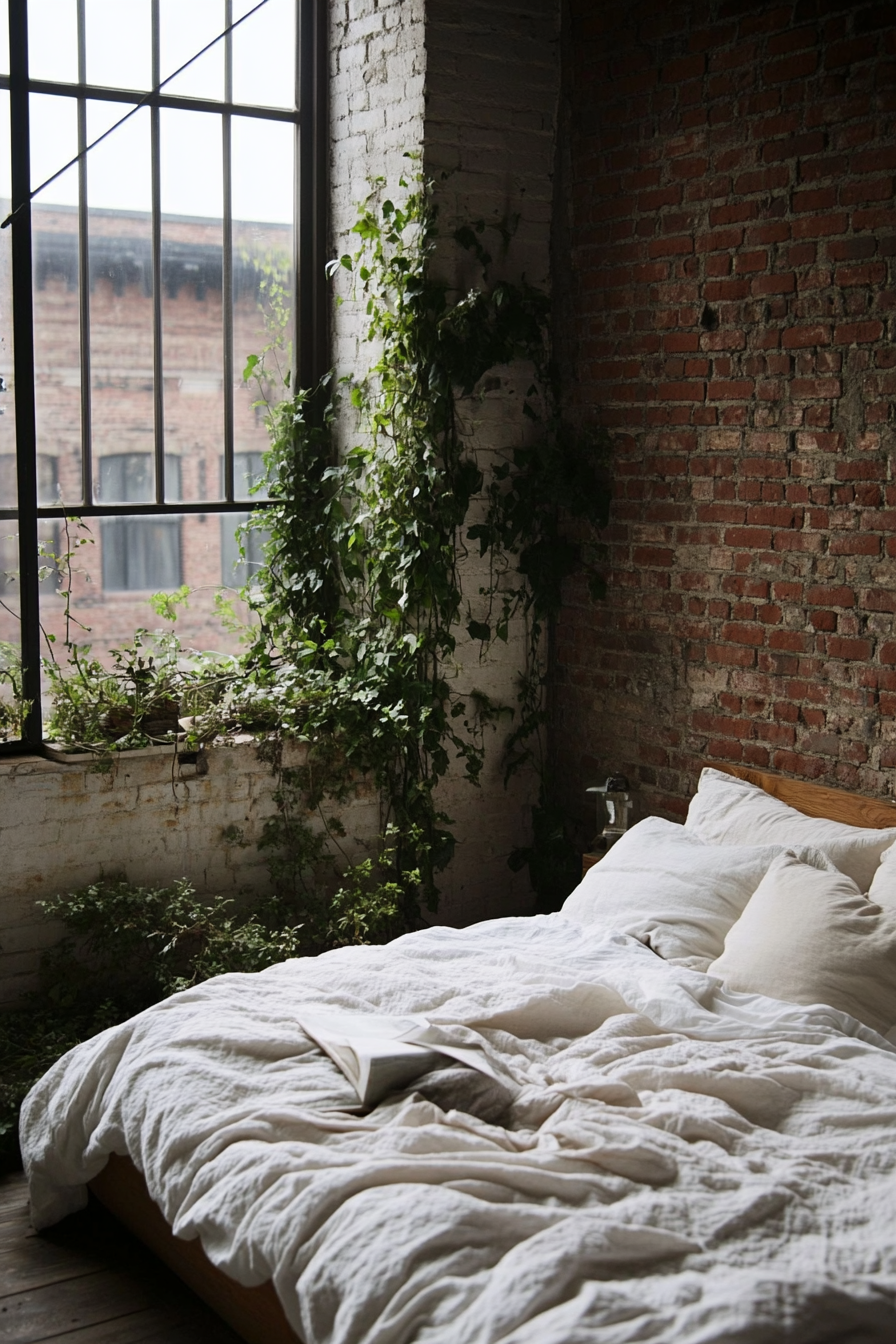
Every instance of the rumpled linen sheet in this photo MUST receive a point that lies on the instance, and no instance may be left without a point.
(678, 1163)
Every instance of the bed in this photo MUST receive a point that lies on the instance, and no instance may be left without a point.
(688, 1141)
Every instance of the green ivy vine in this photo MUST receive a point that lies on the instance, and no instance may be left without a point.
(362, 601)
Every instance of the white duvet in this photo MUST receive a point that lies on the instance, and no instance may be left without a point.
(678, 1163)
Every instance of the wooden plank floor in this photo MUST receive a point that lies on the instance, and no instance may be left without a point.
(87, 1281)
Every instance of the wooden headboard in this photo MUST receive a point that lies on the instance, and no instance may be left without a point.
(816, 800)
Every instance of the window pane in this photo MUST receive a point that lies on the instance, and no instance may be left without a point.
(263, 276)
(120, 562)
(264, 54)
(57, 348)
(184, 31)
(119, 169)
(140, 554)
(53, 40)
(54, 142)
(10, 727)
(238, 570)
(119, 43)
(10, 629)
(8, 483)
(8, 487)
(126, 478)
(9, 547)
(192, 319)
(121, 311)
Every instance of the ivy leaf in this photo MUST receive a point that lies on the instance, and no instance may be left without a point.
(479, 630)
(481, 533)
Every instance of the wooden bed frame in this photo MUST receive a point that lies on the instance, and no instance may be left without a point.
(255, 1313)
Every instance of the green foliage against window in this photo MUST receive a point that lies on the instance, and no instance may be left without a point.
(362, 603)
(12, 705)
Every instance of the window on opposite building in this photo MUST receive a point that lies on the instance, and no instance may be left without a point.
(242, 551)
(138, 553)
(133, 288)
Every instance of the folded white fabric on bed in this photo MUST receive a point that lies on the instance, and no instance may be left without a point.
(671, 890)
(726, 810)
(812, 937)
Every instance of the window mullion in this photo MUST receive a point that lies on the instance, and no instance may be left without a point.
(84, 271)
(310, 209)
(156, 151)
(23, 339)
(227, 262)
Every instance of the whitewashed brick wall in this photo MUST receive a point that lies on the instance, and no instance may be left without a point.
(63, 826)
(492, 90)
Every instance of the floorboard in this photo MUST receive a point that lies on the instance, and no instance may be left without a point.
(87, 1281)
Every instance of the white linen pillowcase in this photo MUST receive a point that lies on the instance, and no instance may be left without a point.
(811, 937)
(883, 887)
(672, 890)
(726, 810)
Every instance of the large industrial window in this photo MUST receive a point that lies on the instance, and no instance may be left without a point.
(133, 286)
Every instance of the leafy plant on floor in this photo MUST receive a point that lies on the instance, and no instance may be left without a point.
(127, 946)
(130, 945)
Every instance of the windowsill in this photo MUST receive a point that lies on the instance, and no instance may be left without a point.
(162, 754)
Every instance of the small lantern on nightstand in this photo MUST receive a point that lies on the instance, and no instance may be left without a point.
(615, 795)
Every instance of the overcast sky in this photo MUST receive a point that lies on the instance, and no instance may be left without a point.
(118, 53)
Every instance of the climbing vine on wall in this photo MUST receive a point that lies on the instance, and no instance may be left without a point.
(362, 602)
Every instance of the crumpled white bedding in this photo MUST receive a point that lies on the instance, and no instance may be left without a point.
(679, 1163)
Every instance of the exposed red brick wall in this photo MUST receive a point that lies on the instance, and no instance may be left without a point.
(730, 312)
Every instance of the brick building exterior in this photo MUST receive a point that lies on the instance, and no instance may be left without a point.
(729, 310)
(128, 561)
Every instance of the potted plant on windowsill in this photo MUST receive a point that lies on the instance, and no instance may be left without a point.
(135, 705)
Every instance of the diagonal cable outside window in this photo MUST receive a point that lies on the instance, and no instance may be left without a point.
(147, 98)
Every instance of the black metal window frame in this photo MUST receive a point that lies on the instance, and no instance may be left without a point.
(310, 314)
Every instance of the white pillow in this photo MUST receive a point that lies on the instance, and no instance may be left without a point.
(726, 810)
(883, 888)
(670, 889)
(811, 937)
